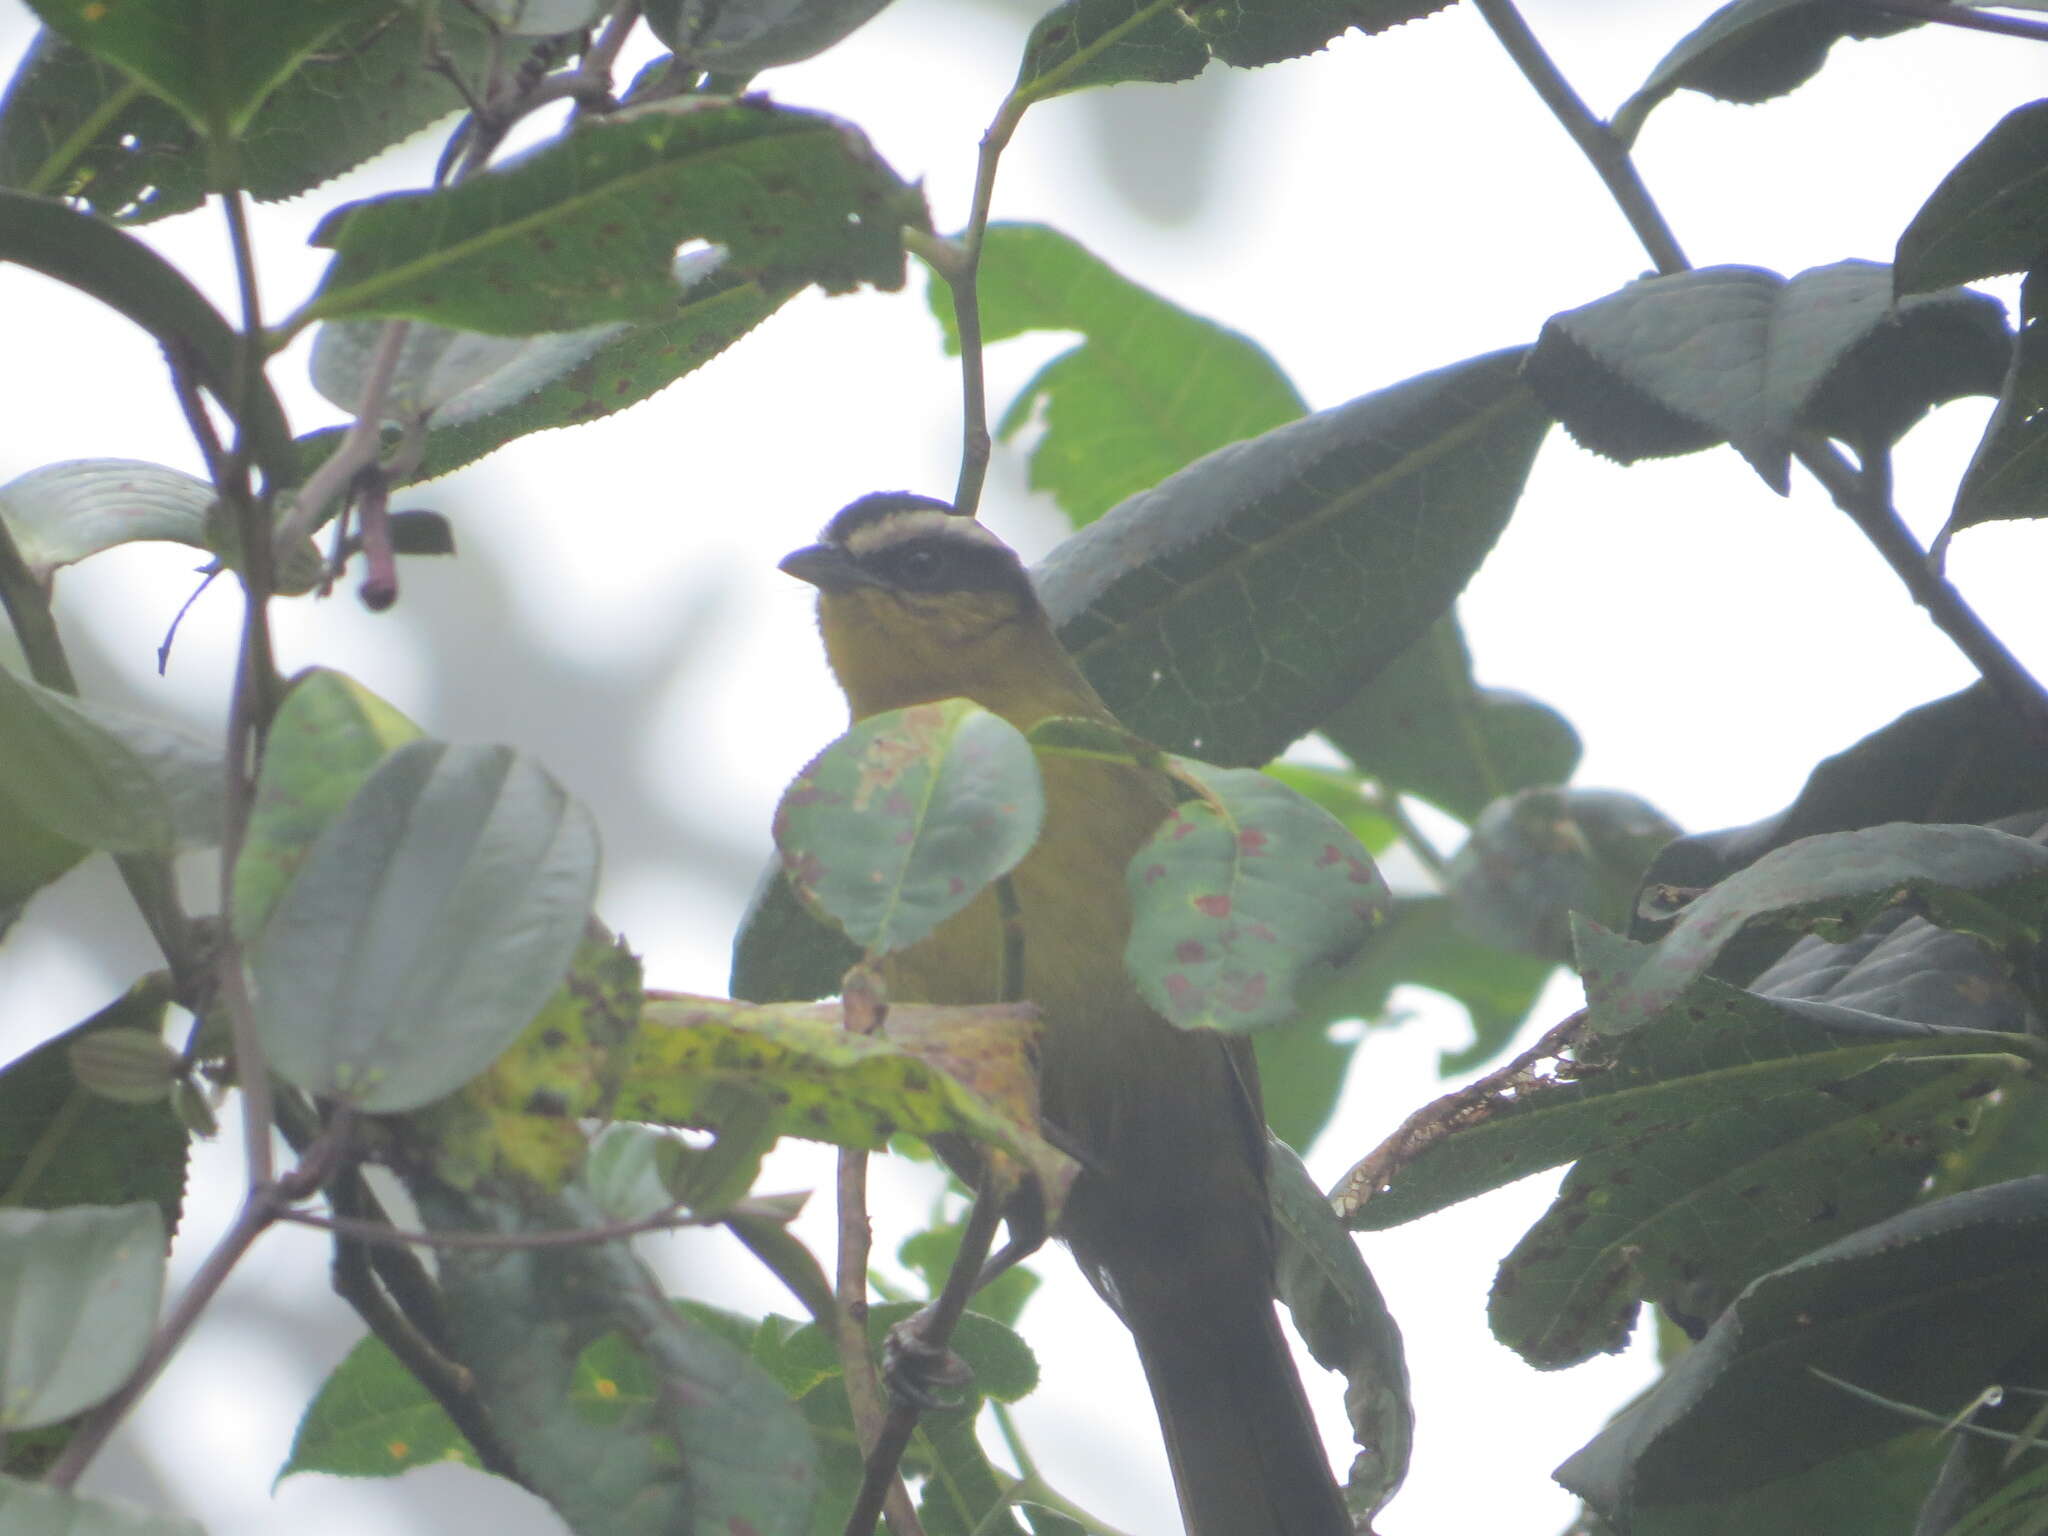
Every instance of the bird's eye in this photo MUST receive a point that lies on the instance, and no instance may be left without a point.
(919, 566)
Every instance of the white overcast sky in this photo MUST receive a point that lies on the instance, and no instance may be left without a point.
(1383, 208)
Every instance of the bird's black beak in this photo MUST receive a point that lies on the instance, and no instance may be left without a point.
(826, 567)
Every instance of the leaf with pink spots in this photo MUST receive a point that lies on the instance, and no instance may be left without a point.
(904, 820)
(1240, 895)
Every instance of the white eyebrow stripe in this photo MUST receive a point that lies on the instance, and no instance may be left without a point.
(900, 527)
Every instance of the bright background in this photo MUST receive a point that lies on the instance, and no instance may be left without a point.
(1388, 206)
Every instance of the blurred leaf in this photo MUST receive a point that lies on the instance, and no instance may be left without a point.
(61, 1145)
(428, 924)
(584, 231)
(1904, 967)
(37, 1510)
(1423, 944)
(962, 1070)
(931, 1253)
(1227, 611)
(710, 1443)
(128, 277)
(1678, 363)
(75, 127)
(1004, 1366)
(1924, 1309)
(1301, 1076)
(1149, 389)
(2008, 474)
(214, 60)
(962, 1494)
(1989, 215)
(372, 1418)
(1341, 1316)
(102, 776)
(782, 954)
(31, 857)
(79, 1289)
(1102, 42)
(907, 817)
(1988, 883)
(1720, 1077)
(743, 37)
(1540, 855)
(62, 513)
(127, 1066)
(326, 738)
(1963, 758)
(1752, 50)
(1239, 896)
(542, 18)
(1422, 727)
(567, 378)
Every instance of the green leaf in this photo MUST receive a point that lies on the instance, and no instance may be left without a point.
(1103, 42)
(1239, 896)
(1989, 215)
(1687, 1216)
(128, 277)
(931, 1253)
(1341, 1316)
(428, 924)
(1872, 1492)
(31, 857)
(1229, 610)
(1722, 1069)
(568, 378)
(1924, 1309)
(2008, 474)
(711, 1445)
(61, 1145)
(1963, 758)
(1679, 363)
(1752, 50)
(372, 1418)
(214, 60)
(76, 127)
(1540, 855)
(744, 37)
(902, 821)
(583, 231)
(962, 1494)
(79, 1289)
(1423, 727)
(34, 1509)
(542, 18)
(1301, 1077)
(1988, 883)
(327, 736)
(1149, 389)
(105, 777)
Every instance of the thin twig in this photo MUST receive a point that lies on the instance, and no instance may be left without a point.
(932, 1329)
(1879, 520)
(499, 1242)
(1863, 497)
(357, 450)
(1609, 159)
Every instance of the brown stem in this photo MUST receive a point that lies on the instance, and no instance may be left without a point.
(1596, 141)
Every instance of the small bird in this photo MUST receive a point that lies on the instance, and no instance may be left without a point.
(1169, 1217)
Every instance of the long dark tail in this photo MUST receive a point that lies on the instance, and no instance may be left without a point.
(1247, 1459)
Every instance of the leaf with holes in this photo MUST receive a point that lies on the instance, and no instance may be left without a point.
(584, 231)
(1239, 896)
(901, 822)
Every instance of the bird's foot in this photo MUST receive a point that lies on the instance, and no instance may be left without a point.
(927, 1376)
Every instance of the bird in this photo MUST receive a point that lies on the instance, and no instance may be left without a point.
(1168, 1217)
